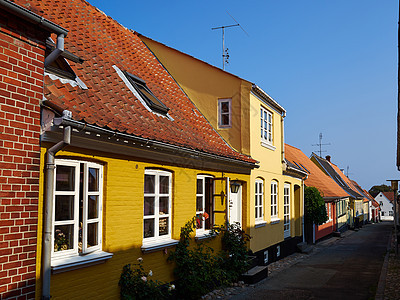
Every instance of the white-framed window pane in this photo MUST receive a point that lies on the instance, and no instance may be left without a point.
(163, 226)
(92, 230)
(93, 207)
(274, 199)
(65, 178)
(148, 228)
(164, 205)
(164, 184)
(63, 237)
(204, 202)
(93, 180)
(149, 184)
(266, 125)
(148, 206)
(65, 207)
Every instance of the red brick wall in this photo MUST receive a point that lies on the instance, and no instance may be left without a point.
(21, 89)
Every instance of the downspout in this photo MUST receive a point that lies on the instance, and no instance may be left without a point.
(56, 52)
(48, 211)
(304, 202)
(283, 136)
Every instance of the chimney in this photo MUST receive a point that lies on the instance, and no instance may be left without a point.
(328, 158)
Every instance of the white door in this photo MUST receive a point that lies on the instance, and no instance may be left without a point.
(286, 211)
(235, 207)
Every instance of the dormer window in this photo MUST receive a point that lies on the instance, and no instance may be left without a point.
(146, 95)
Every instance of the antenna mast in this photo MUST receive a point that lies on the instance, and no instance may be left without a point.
(320, 144)
(225, 54)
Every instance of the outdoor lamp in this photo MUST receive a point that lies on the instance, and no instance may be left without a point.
(235, 186)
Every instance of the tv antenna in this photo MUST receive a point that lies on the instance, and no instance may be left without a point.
(347, 172)
(320, 144)
(225, 51)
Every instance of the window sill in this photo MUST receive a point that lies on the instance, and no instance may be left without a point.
(70, 263)
(268, 145)
(158, 245)
(205, 235)
(259, 224)
(275, 221)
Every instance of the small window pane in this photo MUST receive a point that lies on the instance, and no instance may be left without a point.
(164, 185)
(164, 205)
(149, 184)
(65, 178)
(163, 226)
(199, 186)
(148, 206)
(225, 120)
(93, 207)
(63, 237)
(199, 203)
(92, 239)
(148, 225)
(199, 221)
(224, 107)
(93, 180)
(64, 209)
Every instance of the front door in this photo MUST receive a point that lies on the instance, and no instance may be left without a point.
(235, 207)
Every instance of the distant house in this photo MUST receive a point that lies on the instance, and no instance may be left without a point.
(355, 213)
(336, 199)
(385, 200)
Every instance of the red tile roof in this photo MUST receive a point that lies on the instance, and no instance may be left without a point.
(389, 195)
(316, 178)
(102, 42)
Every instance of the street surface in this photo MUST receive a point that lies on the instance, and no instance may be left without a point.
(347, 269)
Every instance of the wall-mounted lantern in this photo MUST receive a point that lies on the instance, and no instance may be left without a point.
(235, 186)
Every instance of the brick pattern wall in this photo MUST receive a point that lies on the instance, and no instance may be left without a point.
(21, 89)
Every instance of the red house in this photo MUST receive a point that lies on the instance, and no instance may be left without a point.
(23, 35)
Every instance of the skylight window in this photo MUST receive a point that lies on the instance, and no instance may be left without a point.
(147, 96)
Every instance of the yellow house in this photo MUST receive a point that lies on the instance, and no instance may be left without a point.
(253, 124)
(126, 160)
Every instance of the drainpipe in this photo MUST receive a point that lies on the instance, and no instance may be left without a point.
(304, 238)
(56, 52)
(48, 211)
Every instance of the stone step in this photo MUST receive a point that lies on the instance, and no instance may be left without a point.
(305, 248)
(254, 275)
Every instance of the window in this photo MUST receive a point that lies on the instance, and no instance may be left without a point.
(146, 94)
(224, 113)
(204, 203)
(266, 126)
(77, 214)
(274, 200)
(157, 205)
(391, 213)
(286, 210)
(259, 200)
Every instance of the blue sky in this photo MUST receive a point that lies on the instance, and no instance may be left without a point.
(331, 64)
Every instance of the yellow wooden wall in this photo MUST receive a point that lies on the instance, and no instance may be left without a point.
(123, 224)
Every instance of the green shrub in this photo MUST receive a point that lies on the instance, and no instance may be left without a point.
(136, 284)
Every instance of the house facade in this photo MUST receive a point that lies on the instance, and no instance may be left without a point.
(126, 159)
(336, 199)
(22, 46)
(385, 201)
(252, 123)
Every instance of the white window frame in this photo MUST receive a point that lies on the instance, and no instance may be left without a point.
(266, 126)
(259, 200)
(203, 230)
(157, 238)
(286, 210)
(220, 113)
(274, 200)
(85, 220)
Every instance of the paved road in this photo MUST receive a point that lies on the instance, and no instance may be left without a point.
(348, 269)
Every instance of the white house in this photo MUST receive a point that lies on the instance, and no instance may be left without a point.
(385, 200)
